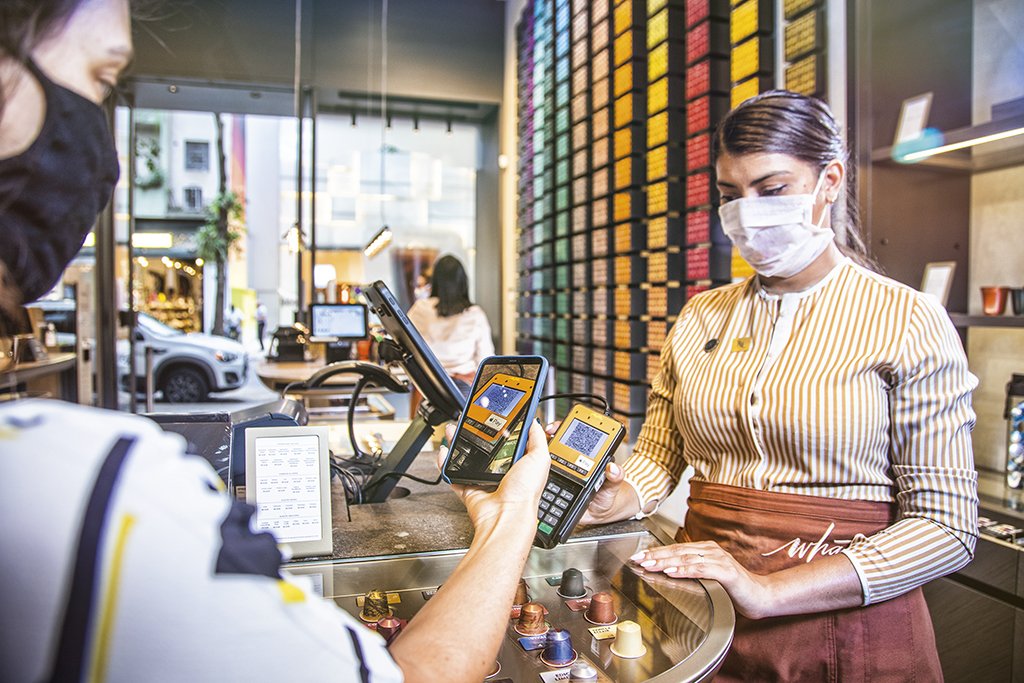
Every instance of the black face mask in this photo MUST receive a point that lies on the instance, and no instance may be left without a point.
(51, 193)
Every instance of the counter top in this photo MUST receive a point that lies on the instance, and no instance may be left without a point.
(426, 519)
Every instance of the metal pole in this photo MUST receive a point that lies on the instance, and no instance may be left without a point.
(106, 298)
(299, 303)
(133, 400)
(150, 380)
(312, 182)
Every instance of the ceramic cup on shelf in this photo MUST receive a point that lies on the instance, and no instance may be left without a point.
(1017, 300)
(993, 300)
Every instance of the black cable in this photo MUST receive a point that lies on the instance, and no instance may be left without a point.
(387, 475)
(353, 399)
(592, 399)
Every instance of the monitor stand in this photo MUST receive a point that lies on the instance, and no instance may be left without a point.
(415, 437)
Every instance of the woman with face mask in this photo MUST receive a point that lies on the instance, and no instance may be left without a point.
(124, 560)
(826, 412)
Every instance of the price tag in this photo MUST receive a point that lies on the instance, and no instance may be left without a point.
(578, 604)
(602, 632)
(530, 643)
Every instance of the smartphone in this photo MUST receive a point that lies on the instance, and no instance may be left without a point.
(492, 430)
(581, 448)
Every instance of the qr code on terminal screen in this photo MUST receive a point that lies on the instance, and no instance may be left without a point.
(583, 439)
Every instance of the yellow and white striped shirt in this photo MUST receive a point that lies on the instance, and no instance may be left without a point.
(856, 389)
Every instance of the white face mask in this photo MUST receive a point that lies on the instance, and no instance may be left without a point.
(777, 236)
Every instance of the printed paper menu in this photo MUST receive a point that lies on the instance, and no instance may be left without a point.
(288, 487)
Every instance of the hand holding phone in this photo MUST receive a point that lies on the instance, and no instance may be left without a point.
(490, 435)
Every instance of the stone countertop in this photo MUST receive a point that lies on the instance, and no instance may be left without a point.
(426, 519)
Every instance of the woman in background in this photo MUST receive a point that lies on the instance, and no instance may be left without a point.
(456, 330)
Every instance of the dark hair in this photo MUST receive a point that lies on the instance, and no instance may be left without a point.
(450, 285)
(784, 122)
(26, 23)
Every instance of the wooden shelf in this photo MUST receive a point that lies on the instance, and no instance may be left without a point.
(964, 320)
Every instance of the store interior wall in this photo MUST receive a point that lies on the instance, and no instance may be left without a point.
(488, 264)
(997, 204)
(508, 141)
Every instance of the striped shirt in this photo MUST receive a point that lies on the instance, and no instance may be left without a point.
(855, 389)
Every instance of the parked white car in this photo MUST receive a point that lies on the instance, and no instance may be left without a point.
(186, 367)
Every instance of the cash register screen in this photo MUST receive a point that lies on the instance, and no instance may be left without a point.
(333, 322)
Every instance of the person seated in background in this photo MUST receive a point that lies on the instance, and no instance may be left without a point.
(133, 563)
(455, 329)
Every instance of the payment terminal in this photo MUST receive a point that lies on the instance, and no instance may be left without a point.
(580, 450)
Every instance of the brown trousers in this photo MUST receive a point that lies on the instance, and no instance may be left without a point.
(767, 532)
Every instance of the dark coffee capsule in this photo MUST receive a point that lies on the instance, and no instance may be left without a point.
(531, 620)
(558, 651)
(522, 596)
(375, 606)
(572, 584)
(389, 627)
(601, 610)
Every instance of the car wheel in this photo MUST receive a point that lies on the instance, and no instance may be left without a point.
(184, 385)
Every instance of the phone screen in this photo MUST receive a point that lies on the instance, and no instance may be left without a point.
(583, 446)
(489, 435)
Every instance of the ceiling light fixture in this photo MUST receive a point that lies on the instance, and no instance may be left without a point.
(381, 240)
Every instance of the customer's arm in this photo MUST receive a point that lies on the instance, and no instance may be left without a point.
(457, 634)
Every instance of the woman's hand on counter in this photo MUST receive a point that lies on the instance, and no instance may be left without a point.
(826, 584)
(520, 489)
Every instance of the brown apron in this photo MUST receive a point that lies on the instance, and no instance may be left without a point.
(888, 641)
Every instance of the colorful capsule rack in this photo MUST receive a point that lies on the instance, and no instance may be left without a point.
(804, 46)
(617, 207)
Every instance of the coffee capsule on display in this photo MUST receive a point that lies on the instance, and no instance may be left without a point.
(629, 641)
(601, 609)
(522, 596)
(375, 606)
(582, 672)
(389, 627)
(572, 584)
(558, 651)
(531, 620)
